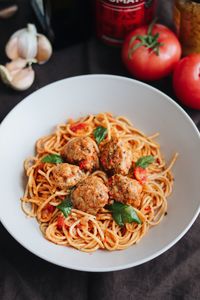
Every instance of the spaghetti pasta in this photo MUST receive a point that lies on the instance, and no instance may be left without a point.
(82, 230)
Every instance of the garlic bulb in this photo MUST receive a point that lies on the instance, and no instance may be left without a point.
(28, 44)
(16, 75)
(12, 48)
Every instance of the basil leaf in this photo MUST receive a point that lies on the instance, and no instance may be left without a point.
(130, 215)
(100, 134)
(118, 219)
(53, 159)
(65, 206)
(123, 213)
(144, 161)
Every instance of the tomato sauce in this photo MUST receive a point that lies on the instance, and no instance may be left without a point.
(116, 18)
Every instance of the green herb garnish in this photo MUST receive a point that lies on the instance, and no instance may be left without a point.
(123, 213)
(65, 206)
(144, 161)
(100, 134)
(53, 159)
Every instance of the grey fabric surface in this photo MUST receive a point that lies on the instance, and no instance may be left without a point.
(173, 275)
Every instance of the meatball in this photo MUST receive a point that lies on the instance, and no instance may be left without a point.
(66, 175)
(90, 195)
(124, 189)
(116, 156)
(82, 151)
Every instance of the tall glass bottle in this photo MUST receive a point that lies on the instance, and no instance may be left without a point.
(64, 21)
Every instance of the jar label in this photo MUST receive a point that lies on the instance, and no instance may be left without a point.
(115, 18)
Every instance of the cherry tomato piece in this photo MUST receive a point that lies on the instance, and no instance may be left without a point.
(140, 174)
(76, 127)
(60, 222)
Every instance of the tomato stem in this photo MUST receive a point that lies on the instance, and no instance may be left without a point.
(148, 40)
(150, 28)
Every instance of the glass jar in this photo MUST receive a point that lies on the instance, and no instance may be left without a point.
(116, 18)
(187, 24)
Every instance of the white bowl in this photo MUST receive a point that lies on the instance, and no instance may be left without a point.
(149, 110)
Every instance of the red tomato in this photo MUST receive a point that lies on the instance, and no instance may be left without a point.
(76, 127)
(186, 80)
(50, 208)
(60, 222)
(150, 53)
(83, 164)
(140, 174)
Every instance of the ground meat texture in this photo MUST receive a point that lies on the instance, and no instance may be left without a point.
(90, 195)
(126, 190)
(65, 175)
(116, 156)
(82, 151)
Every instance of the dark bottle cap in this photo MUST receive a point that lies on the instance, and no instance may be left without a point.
(197, 1)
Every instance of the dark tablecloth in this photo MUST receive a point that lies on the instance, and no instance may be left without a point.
(173, 275)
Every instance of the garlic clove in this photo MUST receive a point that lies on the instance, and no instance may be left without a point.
(12, 48)
(27, 42)
(5, 75)
(16, 64)
(44, 49)
(8, 11)
(23, 79)
(14, 72)
(18, 79)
